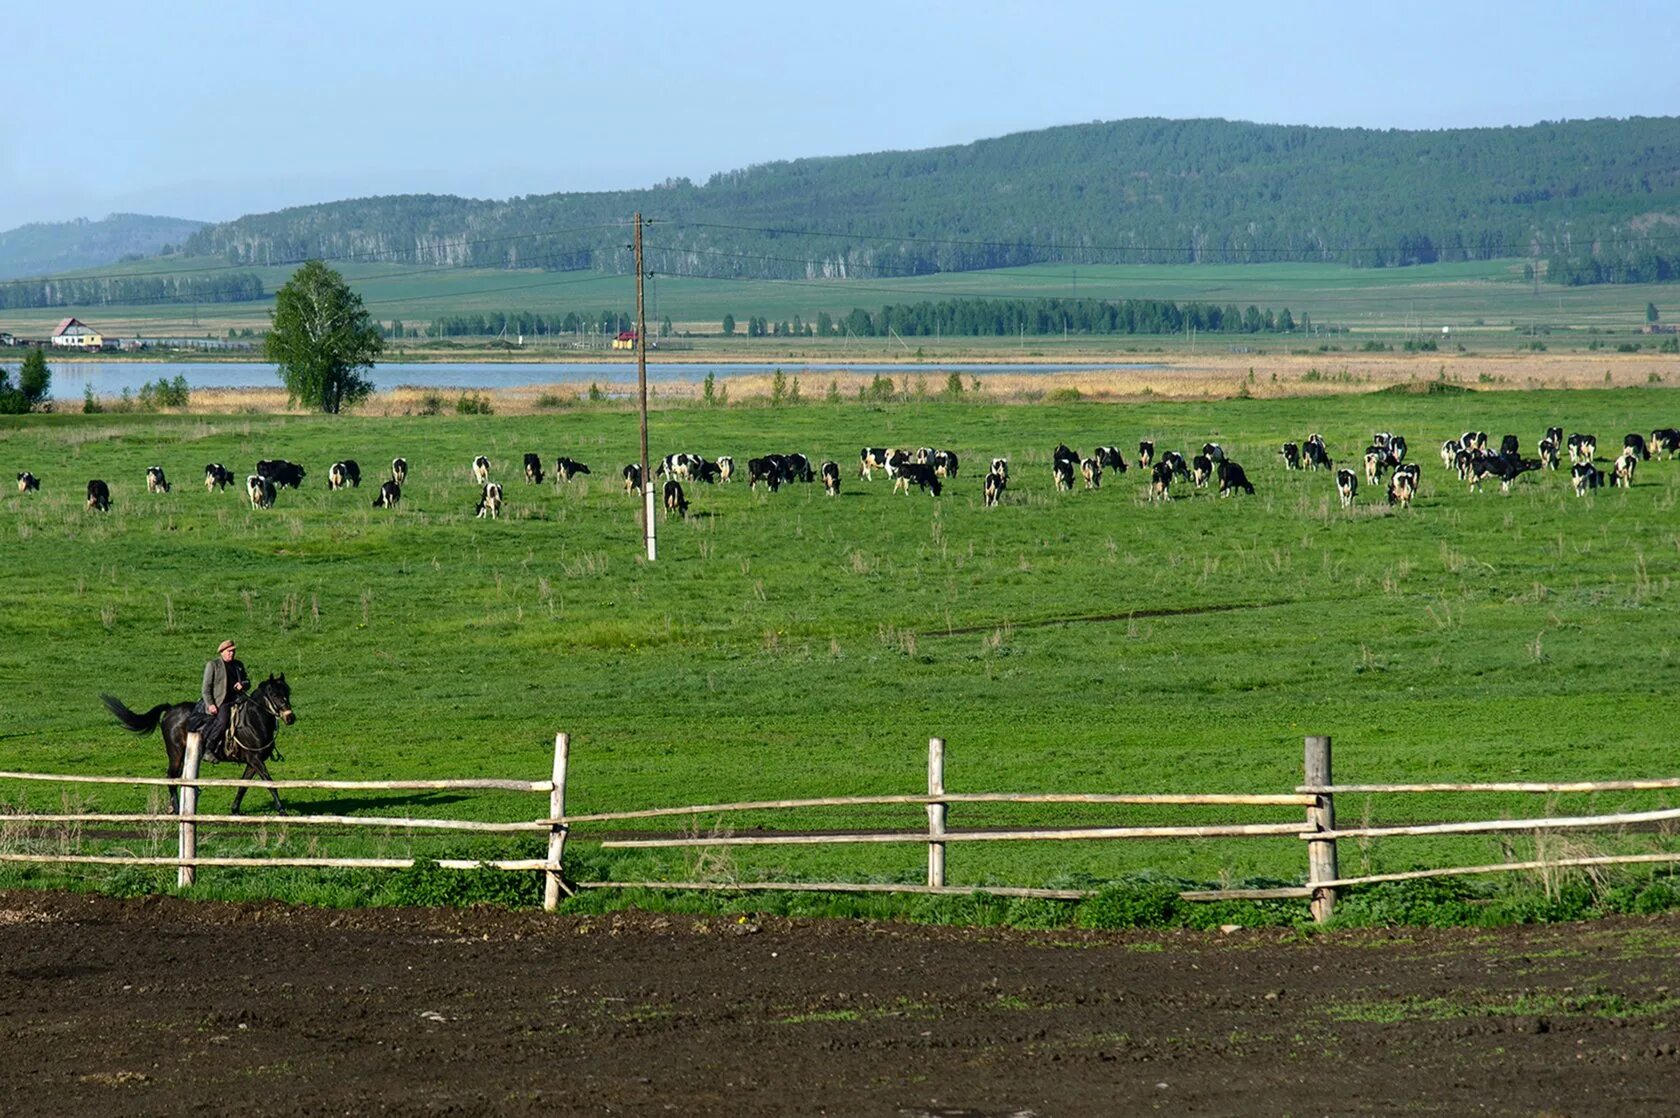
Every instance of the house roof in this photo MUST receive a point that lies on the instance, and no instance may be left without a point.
(626, 335)
(69, 322)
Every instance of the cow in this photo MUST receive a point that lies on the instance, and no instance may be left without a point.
(1401, 490)
(797, 467)
(1110, 458)
(155, 481)
(282, 473)
(481, 469)
(1174, 461)
(28, 482)
(1474, 440)
(1091, 470)
(1201, 469)
(1510, 448)
(1449, 452)
(1213, 452)
(399, 470)
(489, 501)
(870, 459)
(681, 465)
(533, 468)
(1062, 468)
(1625, 463)
(1665, 440)
(726, 468)
(1376, 458)
(1291, 456)
(1146, 454)
(994, 486)
(1232, 477)
(1501, 469)
(1549, 454)
(1582, 448)
(566, 469)
(389, 494)
(1347, 486)
(1555, 434)
(1314, 453)
(831, 478)
(766, 469)
(1160, 482)
(98, 496)
(1397, 448)
(260, 491)
(709, 472)
(945, 463)
(632, 475)
(918, 474)
(896, 460)
(1635, 444)
(675, 502)
(343, 474)
(1584, 476)
(924, 456)
(1000, 467)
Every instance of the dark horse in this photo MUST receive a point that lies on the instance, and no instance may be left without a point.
(250, 736)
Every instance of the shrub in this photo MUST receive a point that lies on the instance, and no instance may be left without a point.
(1130, 905)
(429, 884)
(1435, 902)
(473, 404)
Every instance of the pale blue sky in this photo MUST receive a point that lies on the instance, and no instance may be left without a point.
(217, 109)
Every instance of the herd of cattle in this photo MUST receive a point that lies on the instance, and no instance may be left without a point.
(929, 469)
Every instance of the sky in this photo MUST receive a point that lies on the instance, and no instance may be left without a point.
(213, 110)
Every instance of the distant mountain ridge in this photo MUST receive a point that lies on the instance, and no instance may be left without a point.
(44, 248)
(1144, 190)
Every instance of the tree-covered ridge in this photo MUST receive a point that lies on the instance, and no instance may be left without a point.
(43, 248)
(1132, 191)
(97, 291)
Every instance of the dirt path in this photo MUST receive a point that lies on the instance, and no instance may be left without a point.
(161, 1006)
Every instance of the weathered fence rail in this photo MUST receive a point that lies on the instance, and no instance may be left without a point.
(1318, 829)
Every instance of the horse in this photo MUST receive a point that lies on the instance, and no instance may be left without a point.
(250, 735)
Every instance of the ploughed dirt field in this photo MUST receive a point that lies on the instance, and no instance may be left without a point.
(165, 1006)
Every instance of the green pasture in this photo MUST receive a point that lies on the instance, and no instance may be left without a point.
(793, 645)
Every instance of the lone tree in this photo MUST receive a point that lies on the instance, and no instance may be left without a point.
(322, 338)
(33, 388)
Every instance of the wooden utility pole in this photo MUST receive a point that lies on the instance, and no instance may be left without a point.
(641, 382)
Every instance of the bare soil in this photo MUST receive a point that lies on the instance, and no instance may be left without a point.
(165, 1006)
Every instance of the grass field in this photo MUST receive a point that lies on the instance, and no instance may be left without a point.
(792, 645)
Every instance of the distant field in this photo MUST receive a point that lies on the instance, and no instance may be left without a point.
(792, 645)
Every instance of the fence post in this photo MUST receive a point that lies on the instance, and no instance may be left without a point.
(1321, 816)
(187, 798)
(554, 883)
(936, 812)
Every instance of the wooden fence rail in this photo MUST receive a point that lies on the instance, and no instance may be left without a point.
(1317, 830)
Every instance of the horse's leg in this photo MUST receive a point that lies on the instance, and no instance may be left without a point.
(262, 770)
(239, 796)
(177, 761)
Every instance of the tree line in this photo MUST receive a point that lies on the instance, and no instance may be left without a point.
(1032, 318)
(233, 287)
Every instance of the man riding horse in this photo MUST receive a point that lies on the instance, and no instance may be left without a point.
(224, 681)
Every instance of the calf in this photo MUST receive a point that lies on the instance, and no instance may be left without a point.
(945, 463)
(1401, 490)
(994, 485)
(1062, 468)
(399, 470)
(1109, 458)
(918, 474)
(1091, 470)
(1000, 467)
(28, 482)
(565, 469)
(533, 469)
(1665, 440)
(632, 478)
(1585, 476)
(481, 469)
(155, 481)
(1201, 469)
(1232, 478)
(282, 473)
(1635, 445)
(260, 491)
(1146, 454)
(490, 501)
(1291, 456)
(98, 496)
(726, 468)
(675, 502)
(831, 478)
(1347, 486)
(1625, 463)
(389, 494)
(1160, 482)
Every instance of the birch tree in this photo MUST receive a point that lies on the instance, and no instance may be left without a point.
(322, 339)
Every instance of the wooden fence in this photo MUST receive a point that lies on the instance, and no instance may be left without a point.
(1316, 795)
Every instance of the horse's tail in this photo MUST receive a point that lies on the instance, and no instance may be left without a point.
(139, 723)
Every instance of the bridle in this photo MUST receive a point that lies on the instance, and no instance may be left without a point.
(271, 704)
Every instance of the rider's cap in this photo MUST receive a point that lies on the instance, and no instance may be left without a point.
(225, 646)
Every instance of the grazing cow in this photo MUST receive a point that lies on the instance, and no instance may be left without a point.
(1548, 454)
(399, 470)
(1449, 452)
(28, 482)
(1376, 458)
(831, 478)
(1146, 454)
(490, 501)
(353, 471)
(1291, 456)
(1232, 477)
(632, 478)
(1091, 470)
(1175, 462)
(533, 469)
(1625, 463)
(1555, 434)
(1201, 469)
(767, 469)
(945, 463)
(1110, 458)
(1503, 470)
(1397, 449)
(918, 474)
(726, 468)
(1062, 468)
(1585, 476)
(796, 467)
(1160, 481)
(1317, 458)
(1401, 490)
(1347, 486)
(994, 485)
(1510, 447)
(565, 469)
(1000, 467)
(260, 491)
(1635, 444)
(924, 456)
(1582, 448)
(282, 473)
(682, 465)
(98, 495)
(709, 472)
(871, 458)
(1664, 440)
(481, 469)
(338, 476)
(389, 494)
(675, 502)
(155, 481)
(1213, 452)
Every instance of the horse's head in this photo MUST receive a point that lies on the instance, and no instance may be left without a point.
(276, 695)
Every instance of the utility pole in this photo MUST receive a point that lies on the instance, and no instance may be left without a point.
(641, 383)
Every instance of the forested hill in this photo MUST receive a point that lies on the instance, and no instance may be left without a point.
(1599, 197)
(43, 248)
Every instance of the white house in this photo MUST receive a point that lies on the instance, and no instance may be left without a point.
(77, 335)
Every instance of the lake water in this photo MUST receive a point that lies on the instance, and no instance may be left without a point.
(109, 378)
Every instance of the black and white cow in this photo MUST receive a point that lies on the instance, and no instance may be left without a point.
(1636, 444)
(1622, 475)
(1110, 458)
(282, 473)
(632, 475)
(1347, 486)
(831, 478)
(1555, 434)
(1233, 478)
(489, 501)
(1665, 441)
(98, 495)
(1376, 460)
(1582, 448)
(1091, 470)
(1000, 467)
(1160, 481)
(1492, 467)
(726, 468)
(918, 474)
(1449, 452)
(389, 494)
(1146, 454)
(675, 502)
(1474, 441)
(1291, 456)
(533, 468)
(1201, 469)
(155, 481)
(566, 469)
(399, 470)
(1213, 452)
(259, 490)
(481, 469)
(1401, 489)
(995, 484)
(1314, 454)
(1549, 456)
(945, 463)
(28, 482)
(345, 473)
(1510, 448)
(1175, 462)
(797, 467)
(709, 472)
(1585, 476)
(766, 469)
(870, 459)
(1062, 468)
